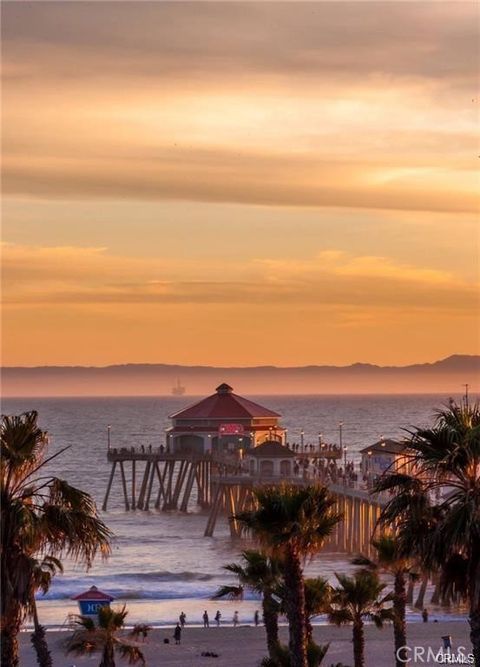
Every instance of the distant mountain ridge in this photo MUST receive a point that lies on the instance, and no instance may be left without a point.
(445, 375)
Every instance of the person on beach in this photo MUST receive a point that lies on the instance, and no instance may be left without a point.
(218, 616)
(206, 621)
(177, 633)
(235, 619)
(183, 619)
(256, 618)
(425, 615)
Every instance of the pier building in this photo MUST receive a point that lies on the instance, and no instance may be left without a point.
(386, 454)
(270, 459)
(222, 422)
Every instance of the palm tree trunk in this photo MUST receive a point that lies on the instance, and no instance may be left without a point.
(11, 623)
(108, 657)
(420, 601)
(295, 608)
(474, 619)
(436, 591)
(308, 629)
(39, 641)
(399, 627)
(358, 644)
(474, 604)
(410, 590)
(270, 620)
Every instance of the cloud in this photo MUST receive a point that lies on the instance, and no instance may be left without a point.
(290, 104)
(431, 40)
(90, 276)
(226, 176)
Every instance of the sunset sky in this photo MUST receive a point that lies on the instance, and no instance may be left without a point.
(240, 183)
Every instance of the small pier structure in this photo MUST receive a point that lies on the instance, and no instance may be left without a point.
(217, 452)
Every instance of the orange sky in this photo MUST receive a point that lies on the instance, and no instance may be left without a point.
(239, 183)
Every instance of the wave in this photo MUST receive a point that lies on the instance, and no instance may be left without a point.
(140, 594)
(162, 575)
(156, 585)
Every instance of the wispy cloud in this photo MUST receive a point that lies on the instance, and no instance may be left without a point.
(90, 275)
(431, 40)
(289, 104)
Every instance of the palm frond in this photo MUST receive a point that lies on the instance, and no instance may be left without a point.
(301, 518)
(229, 592)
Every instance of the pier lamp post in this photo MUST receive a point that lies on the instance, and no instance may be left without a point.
(252, 439)
(302, 434)
(109, 428)
(340, 433)
(345, 465)
(270, 433)
(319, 441)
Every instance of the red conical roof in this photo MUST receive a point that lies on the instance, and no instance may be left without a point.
(94, 594)
(224, 404)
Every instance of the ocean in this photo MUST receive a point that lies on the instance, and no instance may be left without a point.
(161, 563)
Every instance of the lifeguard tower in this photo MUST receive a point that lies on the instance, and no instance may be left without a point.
(91, 601)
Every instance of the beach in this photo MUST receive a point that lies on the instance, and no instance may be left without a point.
(245, 646)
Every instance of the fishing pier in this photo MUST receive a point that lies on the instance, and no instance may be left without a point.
(218, 452)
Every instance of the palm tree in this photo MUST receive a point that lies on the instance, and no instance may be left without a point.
(391, 560)
(443, 477)
(318, 593)
(43, 573)
(42, 518)
(357, 599)
(106, 637)
(420, 601)
(291, 523)
(412, 580)
(262, 574)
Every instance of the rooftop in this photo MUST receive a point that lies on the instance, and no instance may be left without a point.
(92, 594)
(224, 404)
(386, 445)
(271, 449)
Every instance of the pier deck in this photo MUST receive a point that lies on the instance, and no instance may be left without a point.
(169, 481)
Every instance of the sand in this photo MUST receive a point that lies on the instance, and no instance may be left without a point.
(244, 646)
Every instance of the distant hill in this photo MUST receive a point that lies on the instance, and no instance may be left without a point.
(447, 375)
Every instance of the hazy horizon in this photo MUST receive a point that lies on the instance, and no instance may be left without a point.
(239, 184)
(246, 367)
(445, 376)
